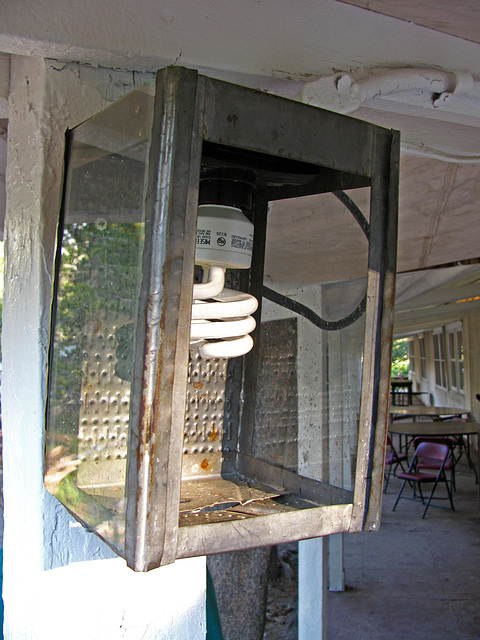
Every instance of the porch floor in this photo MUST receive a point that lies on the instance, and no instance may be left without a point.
(416, 579)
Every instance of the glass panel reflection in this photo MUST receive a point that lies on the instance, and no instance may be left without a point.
(97, 283)
(308, 397)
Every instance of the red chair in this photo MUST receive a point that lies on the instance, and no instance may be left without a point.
(429, 465)
(450, 461)
(393, 460)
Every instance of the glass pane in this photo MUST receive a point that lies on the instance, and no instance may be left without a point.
(411, 357)
(443, 369)
(436, 355)
(308, 395)
(423, 359)
(461, 382)
(98, 282)
(438, 378)
(444, 373)
(453, 363)
(440, 346)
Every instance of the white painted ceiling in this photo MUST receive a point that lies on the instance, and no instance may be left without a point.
(429, 299)
(453, 17)
(278, 46)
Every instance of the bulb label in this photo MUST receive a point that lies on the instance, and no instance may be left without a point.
(224, 237)
(203, 236)
(242, 242)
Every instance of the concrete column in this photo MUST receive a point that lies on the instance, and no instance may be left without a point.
(336, 566)
(312, 462)
(321, 561)
(312, 589)
(59, 580)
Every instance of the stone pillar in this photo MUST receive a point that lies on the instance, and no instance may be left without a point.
(240, 580)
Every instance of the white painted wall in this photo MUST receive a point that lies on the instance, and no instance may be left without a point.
(59, 580)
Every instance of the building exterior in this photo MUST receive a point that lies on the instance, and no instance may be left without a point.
(442, 365)
(437, 312)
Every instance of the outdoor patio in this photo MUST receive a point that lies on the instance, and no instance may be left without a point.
(416, 579)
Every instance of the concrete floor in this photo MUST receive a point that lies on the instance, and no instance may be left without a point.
(415, 579)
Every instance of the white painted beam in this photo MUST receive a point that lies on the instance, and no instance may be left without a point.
(4, 84)
(60, 581)
(312, 589)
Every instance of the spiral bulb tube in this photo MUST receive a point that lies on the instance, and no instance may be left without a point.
(221, 325)
(221, 317)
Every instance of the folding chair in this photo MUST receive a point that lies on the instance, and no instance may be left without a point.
(428, 466)
(393, 460)
(449, 462)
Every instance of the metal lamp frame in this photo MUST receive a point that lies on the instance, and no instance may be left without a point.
(190, 110)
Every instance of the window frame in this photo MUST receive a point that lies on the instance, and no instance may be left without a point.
(412, 363)
(455, 357)
(423, 357)
(439, 359)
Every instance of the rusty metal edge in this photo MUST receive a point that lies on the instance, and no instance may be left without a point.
(163, 328)
(372, 517)
(378, 332)
(262, 531)
(325, 139)
(292, 482)
(152, 536)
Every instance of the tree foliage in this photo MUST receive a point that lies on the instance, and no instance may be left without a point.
(98, 279)
(400, 359)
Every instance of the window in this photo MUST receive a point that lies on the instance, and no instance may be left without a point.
(439, 360)
(423, 357)
(461, 376)
(455, 359)
(411, 356)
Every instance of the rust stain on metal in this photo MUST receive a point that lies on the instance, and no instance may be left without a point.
(213, 436)
(198, 385)
(147, 414)
(205, 464)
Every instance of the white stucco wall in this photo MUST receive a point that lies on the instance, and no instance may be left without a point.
(59, 580)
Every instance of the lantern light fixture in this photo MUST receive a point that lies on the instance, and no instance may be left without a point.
(206, 391)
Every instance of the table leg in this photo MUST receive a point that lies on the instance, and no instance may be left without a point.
(470, 461)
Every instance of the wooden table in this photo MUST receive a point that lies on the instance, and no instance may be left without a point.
(445, 429)
(416, 410)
